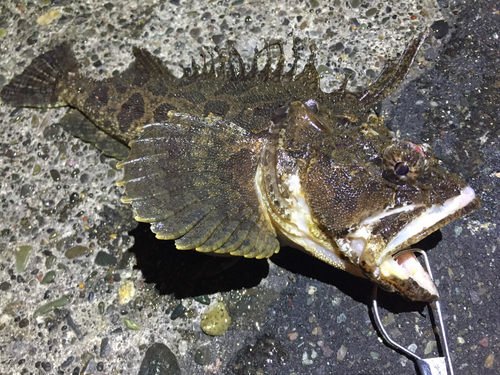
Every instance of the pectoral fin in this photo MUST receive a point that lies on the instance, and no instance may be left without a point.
(192, 178)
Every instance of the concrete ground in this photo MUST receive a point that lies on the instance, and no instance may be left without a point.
(70, 252)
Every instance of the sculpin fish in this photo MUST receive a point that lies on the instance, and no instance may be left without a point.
(238, 161)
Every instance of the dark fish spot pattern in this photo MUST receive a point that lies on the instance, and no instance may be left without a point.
(98, 97)
(132, 109)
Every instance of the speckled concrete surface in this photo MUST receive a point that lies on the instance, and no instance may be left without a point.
(293, 314)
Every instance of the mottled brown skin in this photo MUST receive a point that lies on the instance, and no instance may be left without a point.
(213, 152)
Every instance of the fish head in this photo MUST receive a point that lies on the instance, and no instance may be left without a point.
(356, 196)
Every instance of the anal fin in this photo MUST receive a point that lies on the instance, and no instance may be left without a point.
(75, 123)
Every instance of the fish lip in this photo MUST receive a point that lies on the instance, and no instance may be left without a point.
(390, 267)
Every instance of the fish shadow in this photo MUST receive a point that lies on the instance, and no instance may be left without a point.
(359, 289)
(189, 273)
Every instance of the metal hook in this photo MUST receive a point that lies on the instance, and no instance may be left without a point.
(428, 366)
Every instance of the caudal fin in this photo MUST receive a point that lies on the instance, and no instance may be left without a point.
(41, 84)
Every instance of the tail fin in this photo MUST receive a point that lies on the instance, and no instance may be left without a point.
(42, 82)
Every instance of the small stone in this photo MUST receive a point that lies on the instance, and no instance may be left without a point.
(317, 331)
(488, 363)
(159, 359)
(204, 299)
(131, 324)
(5, 286)
(440, 29)
(67, 362)
(22, 258)
(24, 323)
(105, 348)
(48, 17)
(293, 336)
(341, 353)
(76, 251)
(48, 307)
(105, 259)
(27, 190)
(216, 321)
(484, 342)
(178, 311)
(48, 278)
(36, 169)
(429, 347)
(56, 176)
(46, 366)
(90, 368)
(126, 292)
(202, 356)
(341, 318)
(100, 308)
(3, 33)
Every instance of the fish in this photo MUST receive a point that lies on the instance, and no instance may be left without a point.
(240, 161)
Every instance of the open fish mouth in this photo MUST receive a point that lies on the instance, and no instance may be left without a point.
(389, 261)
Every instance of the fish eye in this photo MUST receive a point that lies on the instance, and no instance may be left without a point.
(401, 168)
(405, 160)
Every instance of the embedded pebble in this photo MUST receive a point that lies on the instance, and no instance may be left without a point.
(131, 324)
(48, 278)
(341, 353)
(44, 309)
(48, 17)
(178, 311)
(126, 292)
(440, 29)
(22, 258)
(159, 359)
(76, 251)
(105, 348)
(216, 321)
(204, 299)
(202, 356)
(105, 259)
(5, 286)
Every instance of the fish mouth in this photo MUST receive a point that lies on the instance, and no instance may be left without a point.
(390, 262)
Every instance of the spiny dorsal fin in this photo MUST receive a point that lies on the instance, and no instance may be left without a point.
(309, 76)
(192, 178)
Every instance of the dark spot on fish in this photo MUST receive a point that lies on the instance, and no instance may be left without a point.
(158, 89)
(267, 110)
(132, 109)
(279, 115)
(141, 78)
(161, 113)
(194, 97)
(217, 107)
(98, 97)
(121, 89)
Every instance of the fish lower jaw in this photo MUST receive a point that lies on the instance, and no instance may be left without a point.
(404, 273)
